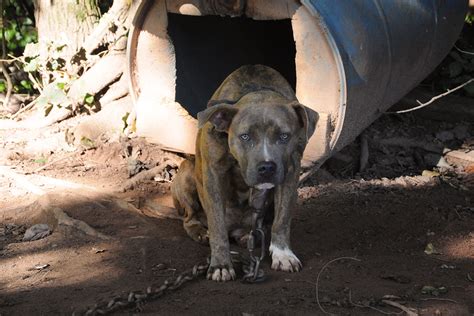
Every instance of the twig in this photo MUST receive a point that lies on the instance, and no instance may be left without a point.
(25, 108)
(422, 105)
(371, 307)
(319, 275)
(36, 84)
(463, 51)
(53, 162)
(364, 152)
(407, 310)
(439, 299)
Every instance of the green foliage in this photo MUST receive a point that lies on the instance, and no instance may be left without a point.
(89, 99)
(19, 28)
(469, 18)
(53, 95)
(18, 31)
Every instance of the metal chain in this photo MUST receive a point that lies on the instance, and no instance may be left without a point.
(251, 267)
(136, 299)
(253, 273)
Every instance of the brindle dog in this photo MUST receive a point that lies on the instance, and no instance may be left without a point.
(252, 135)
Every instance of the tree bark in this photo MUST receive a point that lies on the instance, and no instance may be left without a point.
(66, 21)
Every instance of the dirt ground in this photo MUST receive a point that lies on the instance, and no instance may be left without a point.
(405, 225)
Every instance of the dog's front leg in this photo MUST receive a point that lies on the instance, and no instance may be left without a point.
(220, 268)
(283, 257)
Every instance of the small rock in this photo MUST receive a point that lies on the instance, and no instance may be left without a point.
(429, 173)
(41, 266)
(36, 232)
(431, 250)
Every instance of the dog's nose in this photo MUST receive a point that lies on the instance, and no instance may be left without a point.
(266, 168)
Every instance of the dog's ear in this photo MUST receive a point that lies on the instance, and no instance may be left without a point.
(220, 115)
(308, 118)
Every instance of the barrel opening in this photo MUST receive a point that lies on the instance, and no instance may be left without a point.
(208, 48)
(180, 51)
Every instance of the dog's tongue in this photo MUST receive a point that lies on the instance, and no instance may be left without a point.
(264, 186)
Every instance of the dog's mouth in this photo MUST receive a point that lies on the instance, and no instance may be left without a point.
(264, 186)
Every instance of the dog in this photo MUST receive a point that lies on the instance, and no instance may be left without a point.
(251, 136)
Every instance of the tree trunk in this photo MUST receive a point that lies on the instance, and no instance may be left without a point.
(66, 21)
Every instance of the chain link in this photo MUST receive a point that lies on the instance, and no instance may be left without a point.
(251, 268)
(136, 299)
(253, 273)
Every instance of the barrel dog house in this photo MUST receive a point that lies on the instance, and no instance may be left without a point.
(348, 60)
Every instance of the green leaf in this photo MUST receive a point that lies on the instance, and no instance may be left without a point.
(89, 99)
(124, 120)
(32, 66)
(26, 84)
(61, 85)
(3, 86)
(52, 95)
(40, 160)
(87, 143)
(12, 46)
(10, 34)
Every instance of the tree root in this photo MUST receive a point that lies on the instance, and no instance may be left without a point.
(407, 310)
(116, 18)
(143, 176)
(105, 72)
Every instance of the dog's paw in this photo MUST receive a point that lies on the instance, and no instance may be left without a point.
(221, 274)
(198, 233)
(284, 259)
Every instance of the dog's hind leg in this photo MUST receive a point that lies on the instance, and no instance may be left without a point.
(186, 201)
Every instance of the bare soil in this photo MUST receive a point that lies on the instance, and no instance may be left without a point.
(385, 217)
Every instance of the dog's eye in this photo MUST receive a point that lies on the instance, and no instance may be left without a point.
(245, 137)
(284, 136)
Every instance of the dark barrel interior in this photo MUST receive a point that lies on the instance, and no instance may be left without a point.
(209, 48)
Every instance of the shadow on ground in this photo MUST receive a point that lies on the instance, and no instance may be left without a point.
(386, 228)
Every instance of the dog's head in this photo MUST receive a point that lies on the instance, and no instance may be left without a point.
(265, 131)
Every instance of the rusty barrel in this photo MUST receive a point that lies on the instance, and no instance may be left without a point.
(348, 60)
